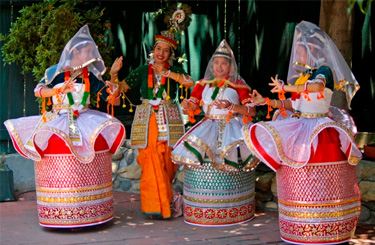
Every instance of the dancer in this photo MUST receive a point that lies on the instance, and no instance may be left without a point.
(312, 148)
(157, 123)
(218, 189)
(72, 144)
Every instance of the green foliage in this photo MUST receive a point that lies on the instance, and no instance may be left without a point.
(363, 5)
(37, 38)
(261, 114)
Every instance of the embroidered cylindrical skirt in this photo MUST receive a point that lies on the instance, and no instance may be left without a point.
(71, 193)
(218, 198)
(318, 203)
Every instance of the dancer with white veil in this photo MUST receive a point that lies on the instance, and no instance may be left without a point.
(312, 148)
(219, 184)
(72, 144)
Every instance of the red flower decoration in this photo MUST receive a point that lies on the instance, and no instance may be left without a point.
(243, 210)
(198, 213)
(75, 114)
(233, 213)
(222, 213)
(209, 213)
(188, 211)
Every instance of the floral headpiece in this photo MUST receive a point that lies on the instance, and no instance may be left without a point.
(177, 18)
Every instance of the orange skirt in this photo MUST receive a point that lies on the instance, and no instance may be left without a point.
(157, 174)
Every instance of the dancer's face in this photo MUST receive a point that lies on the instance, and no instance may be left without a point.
(162, 52)
(301, 54)
(82, 55)
(221, 66)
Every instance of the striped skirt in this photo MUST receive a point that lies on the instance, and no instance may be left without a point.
(318, 203)
(71, 193)
(218, 198)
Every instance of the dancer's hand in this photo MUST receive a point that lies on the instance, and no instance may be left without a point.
(116, 66)
(68, 86)
(222, 104)
(158, 68)
(276, 84)
(185, 105)
(112, 86)
(257, 98)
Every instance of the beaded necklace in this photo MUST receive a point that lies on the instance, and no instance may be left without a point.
(86, 93)
(150, 83)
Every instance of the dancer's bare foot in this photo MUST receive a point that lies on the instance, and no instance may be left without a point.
(177, 205)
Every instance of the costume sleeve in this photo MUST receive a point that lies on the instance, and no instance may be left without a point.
(196, 94)
(178, 70)
(58, 79)
(134, 79)
(324, 74)
(243, 93)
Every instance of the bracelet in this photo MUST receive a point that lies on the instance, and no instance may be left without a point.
(118, 96)
(231, 107)
(265, 102)
(282, 104)
(40, 92)
(274, 106)
(297, 89)
(178, 77)
(115, 74)
(282, 84)
(305, 88)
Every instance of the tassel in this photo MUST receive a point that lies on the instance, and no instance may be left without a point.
(269, 108)
(168, 97)
(282, 94)
(306, 95)
(282, 112)
(49, 103)
(111, 101)
(98, 99)
(193, 113)
(321, 95)
(246, 119)
(123, 100)
(44, 118)
(43, 105)
(191, 117)
(282, 91)
(182, 92)
(230, 113)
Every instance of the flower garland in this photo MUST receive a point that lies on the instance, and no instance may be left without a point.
(150, 85)
(85, 94)
(218, 86)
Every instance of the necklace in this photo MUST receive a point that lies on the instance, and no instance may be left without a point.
(150, 83)
(86, 93)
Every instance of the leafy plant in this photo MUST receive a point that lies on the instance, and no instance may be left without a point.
(363, 5)
(38, 36)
